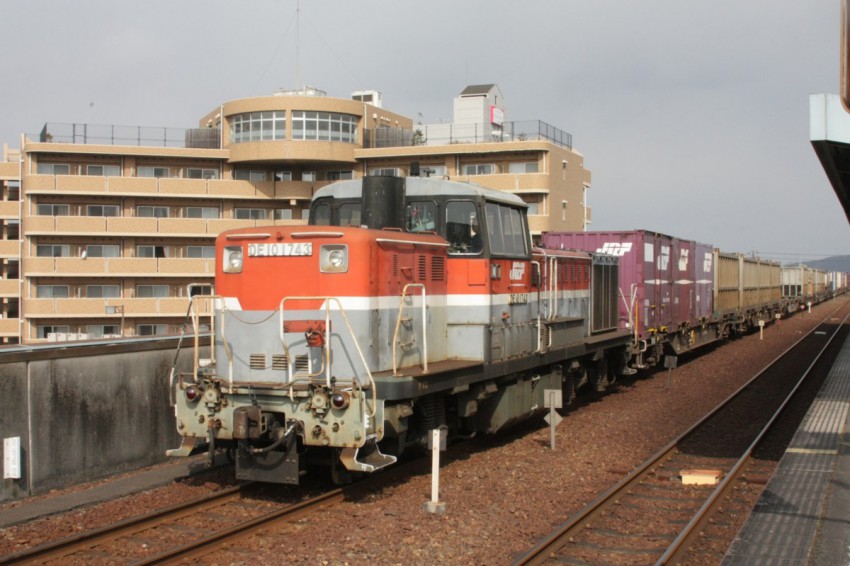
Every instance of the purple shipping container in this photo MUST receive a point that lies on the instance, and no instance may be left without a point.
(665, 283)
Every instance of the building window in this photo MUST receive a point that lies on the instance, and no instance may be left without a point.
(150, 171)
(200, 290)
(258, 126)
(152, 291)
(251, 214)
(324, 126)
(151, 251)
(248, 175)
(52, 250)
(309, 176)
(384, 171)
(200, 252)
(202, 212)
(103, 250)
(51, 291)
(434, 171)
(340, 175)
(53, 210)
(104, 170)
(479, 169)
(53, 169)
(152, 211)
(525, 167)
(151, 329)
(103, 330)
(283, 175)
(44, 332)
(201, 173)
(282, 214)
(102, 210)
(103, 291)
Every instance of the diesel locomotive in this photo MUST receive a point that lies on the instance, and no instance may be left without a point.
(405, 304)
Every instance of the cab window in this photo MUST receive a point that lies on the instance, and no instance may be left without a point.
(506, 230)
(462, 228)
(421, 216)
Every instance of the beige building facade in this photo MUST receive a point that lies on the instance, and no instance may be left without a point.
(107, 231)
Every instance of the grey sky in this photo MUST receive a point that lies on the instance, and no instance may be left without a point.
(692, 115)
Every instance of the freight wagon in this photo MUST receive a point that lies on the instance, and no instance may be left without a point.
(746, 291)
(675, 294)
(666, 287)
(803, 286)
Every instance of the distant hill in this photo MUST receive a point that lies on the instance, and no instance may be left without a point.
(833, 263)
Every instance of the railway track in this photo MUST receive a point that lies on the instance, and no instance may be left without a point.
(171, 533)
(652, 516)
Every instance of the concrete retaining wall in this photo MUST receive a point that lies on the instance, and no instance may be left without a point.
(85, 416)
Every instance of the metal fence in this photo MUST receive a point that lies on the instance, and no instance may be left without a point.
(197, 138)
(446, 134)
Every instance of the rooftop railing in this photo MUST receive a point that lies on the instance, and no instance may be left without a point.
(447, 134)
(104, 134)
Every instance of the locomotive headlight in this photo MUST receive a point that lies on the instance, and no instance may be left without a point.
(231, 260)
(191, 393)
(333, 258)
(340, 400)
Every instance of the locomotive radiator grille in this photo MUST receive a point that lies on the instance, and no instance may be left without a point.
(279, 362)
(438, 268)
(257, 361)
(302, 363)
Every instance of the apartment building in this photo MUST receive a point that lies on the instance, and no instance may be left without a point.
(108, 231)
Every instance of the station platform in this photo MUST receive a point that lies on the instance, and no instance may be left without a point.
(803, 515)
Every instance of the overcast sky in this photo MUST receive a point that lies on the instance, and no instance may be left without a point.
(693, 116)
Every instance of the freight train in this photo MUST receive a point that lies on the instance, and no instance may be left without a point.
(408, 304)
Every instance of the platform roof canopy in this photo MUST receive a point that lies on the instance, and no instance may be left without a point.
(829, 126)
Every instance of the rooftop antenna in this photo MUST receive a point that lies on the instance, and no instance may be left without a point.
(297, 45)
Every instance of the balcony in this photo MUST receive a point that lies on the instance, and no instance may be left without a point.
(10, 288)
(10, 327)
(10, 210)
(119, 267)
(97, 308)
(170, 187)
(10, 249)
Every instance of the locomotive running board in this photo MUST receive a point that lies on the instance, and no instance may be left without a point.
(367, 458)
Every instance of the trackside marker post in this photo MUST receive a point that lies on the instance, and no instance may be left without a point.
(552, 399)
(438, 442)
(670, 363)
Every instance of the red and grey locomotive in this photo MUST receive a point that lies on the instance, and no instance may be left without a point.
(404, 305)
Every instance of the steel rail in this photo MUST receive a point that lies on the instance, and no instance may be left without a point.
(215, 541)
(90, 539)
(681, 543)
(539, 554)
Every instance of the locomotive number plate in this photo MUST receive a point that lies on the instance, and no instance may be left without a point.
(280, 250)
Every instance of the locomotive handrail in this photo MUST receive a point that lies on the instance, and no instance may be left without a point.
(553, 288)
(424, 327)
(326, 345)
(213, 300)
(411, 242)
